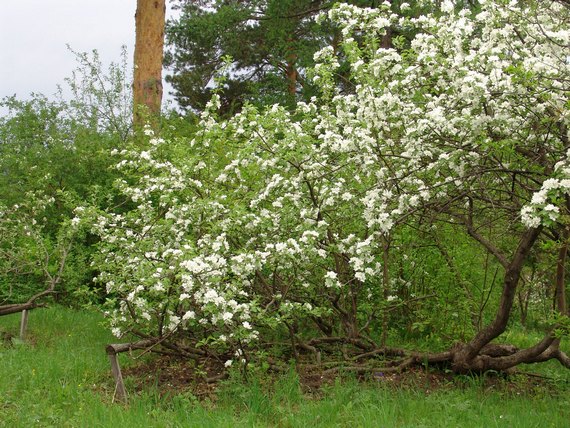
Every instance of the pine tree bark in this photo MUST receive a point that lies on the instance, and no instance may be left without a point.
(149, 43)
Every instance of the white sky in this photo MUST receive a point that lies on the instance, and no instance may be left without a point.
(34, 35)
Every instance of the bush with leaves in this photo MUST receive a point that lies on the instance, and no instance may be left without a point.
(33, 261)
(58, 151)
(290, 223)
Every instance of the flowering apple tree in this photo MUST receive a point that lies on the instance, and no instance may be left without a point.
(288, 223)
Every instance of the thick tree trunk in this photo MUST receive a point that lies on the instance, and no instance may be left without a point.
(291, 76)
(291, 70)
(147, 86)
(468, 357)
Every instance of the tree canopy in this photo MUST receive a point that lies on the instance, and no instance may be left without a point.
(339, 221)
(271, 45)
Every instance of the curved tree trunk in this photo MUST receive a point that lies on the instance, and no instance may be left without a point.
(468, 357)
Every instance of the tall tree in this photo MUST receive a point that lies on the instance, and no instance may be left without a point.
(149, 44)
(271, 43)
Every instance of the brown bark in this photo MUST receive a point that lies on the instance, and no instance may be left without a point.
(386, 42)
(147, 81)
(471, 358)
(464, 359)
(291, 72)
(17, 307)
(117, 348)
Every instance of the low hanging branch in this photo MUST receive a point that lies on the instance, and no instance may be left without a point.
(51, 280)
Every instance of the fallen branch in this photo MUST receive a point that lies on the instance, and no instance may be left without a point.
(19, 307)
(117, 348)
(400, 367)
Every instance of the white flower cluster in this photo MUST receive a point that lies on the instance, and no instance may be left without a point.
(544, 207)
(279, 214)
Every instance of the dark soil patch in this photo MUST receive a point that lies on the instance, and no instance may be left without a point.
(172, 375)
(9, 340)
(6, 339)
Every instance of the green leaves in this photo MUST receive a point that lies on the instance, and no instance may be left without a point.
(351, 215)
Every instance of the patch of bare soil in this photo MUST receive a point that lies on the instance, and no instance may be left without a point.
(5, 339)
(171, 375)
(8, 340)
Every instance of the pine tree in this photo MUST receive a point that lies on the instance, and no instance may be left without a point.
(149, 44)
(271, 43)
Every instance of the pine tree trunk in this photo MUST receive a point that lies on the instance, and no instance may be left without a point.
(147, 85)
(291, 73)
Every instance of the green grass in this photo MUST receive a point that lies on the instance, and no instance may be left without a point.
(62, 379)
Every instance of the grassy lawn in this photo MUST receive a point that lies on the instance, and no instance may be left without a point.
(61, 378)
